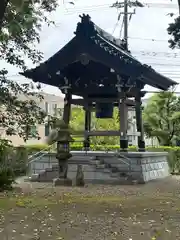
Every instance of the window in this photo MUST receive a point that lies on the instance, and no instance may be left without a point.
(54, 107)
(46, 107)
(47, 128)
(33, 131)
(130, 138)
(60, 112)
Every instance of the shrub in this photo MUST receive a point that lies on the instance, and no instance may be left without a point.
(20, 160)
(7, 177)
(6, 170)
(36, 148)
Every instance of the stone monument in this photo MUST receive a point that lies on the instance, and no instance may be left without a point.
(61, 135)
(80, 176)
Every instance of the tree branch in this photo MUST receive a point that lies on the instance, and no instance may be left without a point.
(172, 132)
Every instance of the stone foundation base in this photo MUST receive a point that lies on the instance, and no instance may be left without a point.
(62, 182)
(110, 168)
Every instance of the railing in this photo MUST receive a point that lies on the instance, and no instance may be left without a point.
(39, 155)
(117, 154)
(127, 163)
(42, 151)
(36, 157)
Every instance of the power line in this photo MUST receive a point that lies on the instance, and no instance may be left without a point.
(156, 53)
(157, 58)
(58, 25)
(101, 7)
(108, 6)
(149, 39)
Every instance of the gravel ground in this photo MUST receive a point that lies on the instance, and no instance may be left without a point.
(39, 211)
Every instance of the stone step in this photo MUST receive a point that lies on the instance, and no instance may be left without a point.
(101, 166)
(34, 177)
(119, 165)
(96, 162)
(107, 170)
(119, 174)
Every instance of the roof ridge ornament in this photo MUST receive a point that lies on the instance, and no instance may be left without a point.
(86, 27)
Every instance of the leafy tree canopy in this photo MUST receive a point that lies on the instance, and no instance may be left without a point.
(174, 31)
(20, 28)
(162, 117)
(77, 123)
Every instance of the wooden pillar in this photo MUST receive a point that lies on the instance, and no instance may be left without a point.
(123, 119)
(139, 123)
(87, 127)
(67, 108)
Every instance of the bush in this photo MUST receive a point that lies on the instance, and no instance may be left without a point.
(6, 170)
(20, 160)
(7, 178)
(36, 148)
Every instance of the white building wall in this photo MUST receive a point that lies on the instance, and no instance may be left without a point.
(51, 102)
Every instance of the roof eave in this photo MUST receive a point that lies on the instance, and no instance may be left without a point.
(160, 81)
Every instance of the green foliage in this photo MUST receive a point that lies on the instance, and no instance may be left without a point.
(77, 123)
(174, 31)
(19, 36)
(161, 117)
(20, 160)
(6, 172)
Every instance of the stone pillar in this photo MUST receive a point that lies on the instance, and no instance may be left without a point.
(63, 153)
(139, 123)
(123, 117)
(87, 127)
(67, 108)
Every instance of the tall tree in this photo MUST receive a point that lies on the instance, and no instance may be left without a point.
(162, 117)
(20, 30)
(3, 6)
(174, 30)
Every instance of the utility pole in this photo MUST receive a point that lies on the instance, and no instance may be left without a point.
(126, 24)
(127, 15)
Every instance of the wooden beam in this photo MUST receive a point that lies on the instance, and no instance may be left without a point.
(82, 102)
(103, 133)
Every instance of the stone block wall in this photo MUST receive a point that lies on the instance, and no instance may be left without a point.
(151, 165)
(102, 167)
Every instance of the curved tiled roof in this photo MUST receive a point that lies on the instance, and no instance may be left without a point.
(113, 48)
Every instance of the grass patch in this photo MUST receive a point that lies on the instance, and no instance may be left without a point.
(39, 200)
(91, 213)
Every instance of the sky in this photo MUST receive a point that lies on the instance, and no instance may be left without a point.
(148, 37)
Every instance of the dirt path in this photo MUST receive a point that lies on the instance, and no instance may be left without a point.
(138, 212)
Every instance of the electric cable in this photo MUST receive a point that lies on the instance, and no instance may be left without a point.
(108, 6)
(120, 33)
(149, 39)
(101, 7)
